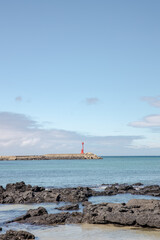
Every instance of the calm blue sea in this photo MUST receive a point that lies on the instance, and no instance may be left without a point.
(70, 173)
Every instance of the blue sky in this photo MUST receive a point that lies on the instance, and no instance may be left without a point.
(75, 71)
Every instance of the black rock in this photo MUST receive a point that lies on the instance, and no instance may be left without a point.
(41, 217)
(69, 207)
(16, 235)
(137, 212)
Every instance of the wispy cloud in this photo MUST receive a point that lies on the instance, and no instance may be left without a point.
(150, 121)
(20, 134)
(153, 101)
(18, 99)
(92, 101)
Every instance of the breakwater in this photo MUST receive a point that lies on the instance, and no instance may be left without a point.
(50, 157)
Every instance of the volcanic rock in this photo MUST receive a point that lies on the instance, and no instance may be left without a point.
(69, 207)
(21, 193)
(16, 235)
(137, 212)
(41, 217)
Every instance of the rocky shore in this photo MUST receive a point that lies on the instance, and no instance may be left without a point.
(137, 212)
(16, 235)
(50, 157)
(22, 193)
(141, 212)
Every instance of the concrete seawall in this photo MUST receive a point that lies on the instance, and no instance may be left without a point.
(50, 157)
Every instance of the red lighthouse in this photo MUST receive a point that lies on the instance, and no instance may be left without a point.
(82, 150)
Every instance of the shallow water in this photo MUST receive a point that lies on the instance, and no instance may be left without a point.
(119, 198)
(89, 231)
(69, 173)
(96, 232)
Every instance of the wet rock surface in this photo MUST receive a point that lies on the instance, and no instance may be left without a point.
(21, 193)
(137, 212)
(144, 213)
(16, 235)
(69, 207)
(135, 189)
(41, 217)
(86, 203)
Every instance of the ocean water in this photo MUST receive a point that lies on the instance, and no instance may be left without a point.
(73, 173)
(70, 173)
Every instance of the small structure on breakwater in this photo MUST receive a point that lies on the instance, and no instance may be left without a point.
(82, 150)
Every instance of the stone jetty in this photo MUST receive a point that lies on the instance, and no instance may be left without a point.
(50, 157)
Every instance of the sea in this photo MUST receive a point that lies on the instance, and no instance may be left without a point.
(73, 173)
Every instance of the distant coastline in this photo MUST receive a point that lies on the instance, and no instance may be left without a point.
(50, 157)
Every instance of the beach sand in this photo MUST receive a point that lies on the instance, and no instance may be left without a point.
(96, 232)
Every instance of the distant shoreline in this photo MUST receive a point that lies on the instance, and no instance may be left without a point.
(50, 157)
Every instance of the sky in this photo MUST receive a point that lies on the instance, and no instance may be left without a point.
(73, 71)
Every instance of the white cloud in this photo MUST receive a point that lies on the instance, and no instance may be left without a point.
(150, 144)
(153, 101)
(150, 121)
(20, 135)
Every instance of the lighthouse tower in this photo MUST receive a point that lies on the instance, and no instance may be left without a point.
(82, 150)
